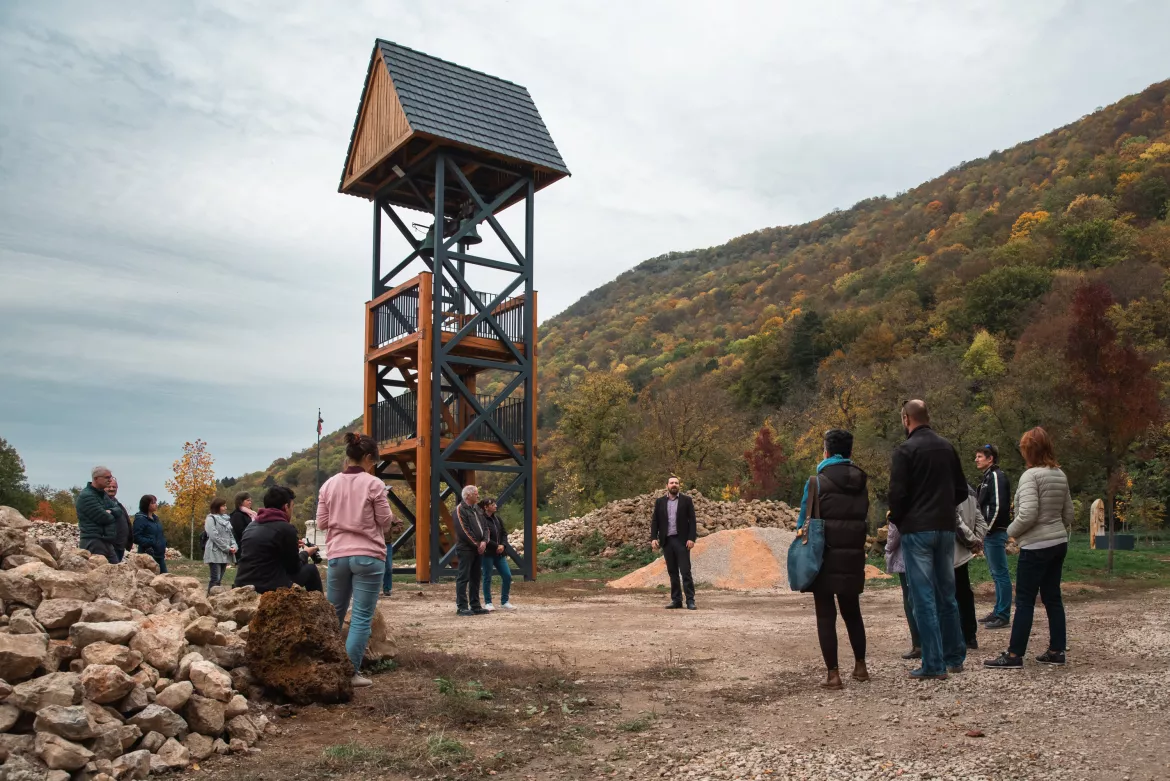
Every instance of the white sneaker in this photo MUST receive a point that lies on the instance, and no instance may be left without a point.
(359, 681)
(488, 607)
(509, 606)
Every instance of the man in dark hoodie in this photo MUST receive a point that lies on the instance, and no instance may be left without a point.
(995, 501)
(269, 551)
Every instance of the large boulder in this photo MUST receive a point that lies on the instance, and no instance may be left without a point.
(71, 722)
(295, 647)
(33, 550)
(168, 585)
(105, 610)
(211, 680)
(175, 696)
(205, 631)
(135, 765)
(59, 613)
(141, 561)
(61, 754)
(238, 604)
(21, 655)
(113, 632)
(11, 541)
(173, 755)
(15, 587)
(23, 622)
(11, 518)
(55, 584)
(105, 683)
(237, 706)
(242, 728)
(200, 746)
(157, 718)
(160, 640)
(11, 745)
(205, 715)
(52, 689)
(120, 656)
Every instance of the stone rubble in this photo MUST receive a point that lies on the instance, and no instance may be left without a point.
(115, 671)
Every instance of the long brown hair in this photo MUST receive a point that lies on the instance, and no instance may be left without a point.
(1037, 450)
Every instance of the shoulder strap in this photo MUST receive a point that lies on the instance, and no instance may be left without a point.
(815, 489)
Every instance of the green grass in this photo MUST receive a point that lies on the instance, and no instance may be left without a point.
(447, 751)
(350, 754)
(640, 724)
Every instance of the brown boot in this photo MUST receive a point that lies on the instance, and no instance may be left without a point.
(833, 681)
(859, 671)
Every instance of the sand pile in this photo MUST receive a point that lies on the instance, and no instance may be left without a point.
(738, 559)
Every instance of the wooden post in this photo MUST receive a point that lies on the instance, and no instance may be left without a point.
(422, 457)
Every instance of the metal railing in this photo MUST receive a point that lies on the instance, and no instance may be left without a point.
(398, 317)
(397, 419)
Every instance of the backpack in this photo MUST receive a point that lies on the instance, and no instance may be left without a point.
(203, 539)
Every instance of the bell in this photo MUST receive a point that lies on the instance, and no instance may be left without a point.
(427, 248)
(471, 237)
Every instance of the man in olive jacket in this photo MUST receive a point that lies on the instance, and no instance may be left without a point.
(673, 528)
(97, 515)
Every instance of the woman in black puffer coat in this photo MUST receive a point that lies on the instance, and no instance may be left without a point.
(838, 494)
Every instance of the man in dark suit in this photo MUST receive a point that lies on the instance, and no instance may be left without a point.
(673, 529)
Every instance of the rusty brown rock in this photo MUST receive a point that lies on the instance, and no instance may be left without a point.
(295, 647)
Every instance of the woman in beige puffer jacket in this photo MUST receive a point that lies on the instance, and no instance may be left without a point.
(1043, 520)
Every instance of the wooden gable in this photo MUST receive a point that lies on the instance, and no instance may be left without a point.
(382, 125)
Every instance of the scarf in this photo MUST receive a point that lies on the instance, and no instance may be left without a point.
(271, 515)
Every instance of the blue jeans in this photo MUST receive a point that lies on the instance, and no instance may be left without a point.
(930, 571)
(388, 579)
(497, 561)
(361, 577)
(995, 549)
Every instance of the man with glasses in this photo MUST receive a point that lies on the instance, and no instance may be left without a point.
(97, 515)
(995, 502)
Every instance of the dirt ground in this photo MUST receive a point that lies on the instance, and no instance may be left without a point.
(583, 682)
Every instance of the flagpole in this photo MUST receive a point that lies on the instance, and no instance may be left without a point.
(318, 497)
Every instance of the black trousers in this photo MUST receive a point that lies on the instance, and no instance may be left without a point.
(678, 565)
(966, 599)
(827, 625)
(308, 577)
(468, 580)
(1039, 572)
(101, 548)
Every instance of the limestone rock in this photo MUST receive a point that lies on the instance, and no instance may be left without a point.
(27, 767)
(142, 562)
(146, 675)
(11, 745)
(203, 631)
(71, 722)
(152, 742)
(15, 587)
(105, 610)
(220, 747)
(59, 753)
(8, 716)
(21, 655)
(204, 715)
(200, 746)
(11, 541)
(103, 716)
(49, 544)
(22, 622)
(59, 613)
(243, 680)
(211, 680)
(33, 550)
(136, 700)
(198, 602)
(158, 718)
(295, 647)
(52, 689)
(227, 627)
(160, 640)
(174, 755)
(175, 696)
(242, 728)
(162, 683)
(168, 585)
(135, 765)
(5, 689)
(69, 561)
(114, 742)
(183, 672)
(17, 560)
(115, 632)
(237, 706)
(238, 605)
(11, 518)
(60, 653)
(120, 656)
(55, 584)
(105, 683)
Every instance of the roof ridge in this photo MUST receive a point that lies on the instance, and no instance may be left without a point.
(382, 41)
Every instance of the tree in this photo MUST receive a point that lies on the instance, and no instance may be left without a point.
(998, 299)
(982, 360)
(765, 462)
(594, 411)
(13, 483)
(44, 511)
(193, 485)
(678, 434)
(1117, 391)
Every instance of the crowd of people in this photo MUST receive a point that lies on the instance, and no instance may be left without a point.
(936, 524)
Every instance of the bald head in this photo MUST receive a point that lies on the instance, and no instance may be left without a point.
(915, 414)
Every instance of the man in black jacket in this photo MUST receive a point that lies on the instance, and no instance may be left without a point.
(995, 497)
(270, 551)
(470, 542)
(926, 485)
(673, 528)
(122, 537)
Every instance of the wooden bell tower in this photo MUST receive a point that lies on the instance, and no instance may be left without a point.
(460, 147)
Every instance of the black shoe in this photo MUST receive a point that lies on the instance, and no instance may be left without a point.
(674, 606)
(997, 623)
(913, 653)
(1051, 657)
(464, 612)
(1005, 661)
(972, 645)
(987, 618)
(385, 592)
(958, 668)
(691, 605)
(479, 611)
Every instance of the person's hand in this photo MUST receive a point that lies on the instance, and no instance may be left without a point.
(482, 547)
(690, 544)
(311, 550)
(653, 544)
(500, 549)
(977, 548)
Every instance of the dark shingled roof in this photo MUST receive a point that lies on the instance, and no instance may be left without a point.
(473, 108)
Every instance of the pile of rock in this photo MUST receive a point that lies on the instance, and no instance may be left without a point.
(628, 520)
(67, 535)
(114, 671)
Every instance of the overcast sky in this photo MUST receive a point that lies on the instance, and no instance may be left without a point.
(175, 261)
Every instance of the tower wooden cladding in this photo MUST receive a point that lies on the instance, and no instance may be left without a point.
(461, 147)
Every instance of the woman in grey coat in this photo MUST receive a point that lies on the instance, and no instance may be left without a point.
(1044, 516)
(220, 549)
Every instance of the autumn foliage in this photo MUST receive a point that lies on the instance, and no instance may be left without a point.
(765, 463)
(193, 488)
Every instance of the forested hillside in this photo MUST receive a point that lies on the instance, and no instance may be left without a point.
(960, 291)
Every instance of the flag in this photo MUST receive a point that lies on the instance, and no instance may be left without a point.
(320, 422)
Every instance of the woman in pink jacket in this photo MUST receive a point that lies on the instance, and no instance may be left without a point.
(354, 513)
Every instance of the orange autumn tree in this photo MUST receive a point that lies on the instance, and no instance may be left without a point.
(44, 511)
(193, 486)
